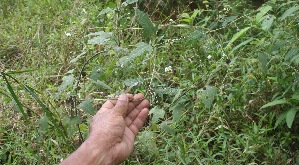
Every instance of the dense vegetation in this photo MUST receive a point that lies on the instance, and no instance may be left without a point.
(222, 77)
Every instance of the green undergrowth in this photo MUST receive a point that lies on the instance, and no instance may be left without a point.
(222, 78)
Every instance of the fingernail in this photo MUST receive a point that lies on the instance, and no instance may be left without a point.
(123, 97)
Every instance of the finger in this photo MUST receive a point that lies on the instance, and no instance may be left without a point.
(109, 104)
(133, 104)
(122, 105)
(139, 121)
(138, 96)
(134, 113)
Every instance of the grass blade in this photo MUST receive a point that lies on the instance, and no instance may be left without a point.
(275, 102)
(21, 71)
(15, 98)
(43, 106)
(45, 109)
(236, 36)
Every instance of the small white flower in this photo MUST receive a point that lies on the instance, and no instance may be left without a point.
(168, 69)
(124, 4)
(68, 34)
(171, 20)
(209, 56)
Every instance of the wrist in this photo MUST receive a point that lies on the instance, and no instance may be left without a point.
(98, 151)
(90, 153)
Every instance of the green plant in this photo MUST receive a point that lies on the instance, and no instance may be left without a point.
(222, 79)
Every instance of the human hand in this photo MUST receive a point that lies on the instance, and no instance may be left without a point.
(112, 131)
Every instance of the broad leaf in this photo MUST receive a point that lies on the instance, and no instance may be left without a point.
(96, 73)
(236, 36)
(158, 113)
(295, 96)
(263, 10)
(177, 111)
(267, 22)
(290, 116)
(99, 38)
(128, 2)
(106, 10)
(289, 12)
(280, 118)
(140, 49)
(148, 139)
(101, 84)
(167, 128)
(87, 107)
(144, 20)
(131, 82)
(43, 123)
(207, 96)
(67, 81)
(275, 102)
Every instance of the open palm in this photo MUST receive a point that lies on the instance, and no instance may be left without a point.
(117, 123)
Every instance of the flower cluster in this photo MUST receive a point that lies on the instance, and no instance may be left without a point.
(168, 69)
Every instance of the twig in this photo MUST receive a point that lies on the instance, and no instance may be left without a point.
(130, 100)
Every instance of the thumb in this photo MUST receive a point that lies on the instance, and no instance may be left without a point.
(122, 104)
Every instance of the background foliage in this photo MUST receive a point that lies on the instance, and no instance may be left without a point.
(222, 78)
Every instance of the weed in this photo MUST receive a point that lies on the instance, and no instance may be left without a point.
(222, 81)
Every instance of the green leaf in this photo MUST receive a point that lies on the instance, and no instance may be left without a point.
(99, 38)
(158, 113)
(128, 2)
(66, 82)
(15, 98)
(77, 58)
(289, 12)
(292, 53)
(295, 96)
(144, 20)
(227, 20)
(267, 22)
(240, 45)
(182, 25)
(185, 15)
(177, 111)
(19, 71)
(236, 36)
(130, 82)
(290, 116)
(101, 84)
(167, 128)
(263, 10)
(208, 95)
(280, 118)
(106, 11)
(87, 107)
(263, 59)
(275, 102)
(148, 139)
(43, 123)
(96, 73)
(195, 13)
(46, 110)
(140, 49)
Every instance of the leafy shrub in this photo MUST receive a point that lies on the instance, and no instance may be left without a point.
(222, 82)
